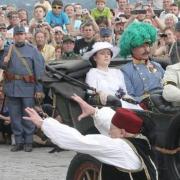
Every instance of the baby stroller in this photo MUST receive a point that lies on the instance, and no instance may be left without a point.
(67, 77)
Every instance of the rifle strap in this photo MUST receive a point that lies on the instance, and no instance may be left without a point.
(23, 60)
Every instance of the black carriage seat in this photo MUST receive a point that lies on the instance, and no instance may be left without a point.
(159, 104)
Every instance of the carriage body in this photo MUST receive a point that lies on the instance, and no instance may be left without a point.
(60, 76)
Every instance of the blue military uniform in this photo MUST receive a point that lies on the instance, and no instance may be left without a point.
(140, 80)
(20, 89)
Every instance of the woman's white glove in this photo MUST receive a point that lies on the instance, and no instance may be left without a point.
(103, 97)
(126, 96)
(129, 99)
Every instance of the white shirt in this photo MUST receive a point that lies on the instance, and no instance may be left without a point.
(116, 152)
(171, 93)
(109, 82)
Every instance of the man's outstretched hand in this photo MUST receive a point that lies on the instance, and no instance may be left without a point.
(87, 109)
(34, 117)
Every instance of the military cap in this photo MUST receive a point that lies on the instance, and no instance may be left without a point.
(105, 32)
(19, 29)
(67, 38)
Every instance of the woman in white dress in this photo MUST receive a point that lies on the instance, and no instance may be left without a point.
(106, 81)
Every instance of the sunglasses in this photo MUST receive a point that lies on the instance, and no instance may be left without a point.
(57, 7)
(57, 32)
(120, 20)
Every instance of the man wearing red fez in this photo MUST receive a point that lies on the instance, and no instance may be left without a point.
(122, 147)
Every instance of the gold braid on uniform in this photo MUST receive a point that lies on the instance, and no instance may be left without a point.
(169, 82)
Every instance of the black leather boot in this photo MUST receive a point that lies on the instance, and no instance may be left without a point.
(17, 147)
(28, 147)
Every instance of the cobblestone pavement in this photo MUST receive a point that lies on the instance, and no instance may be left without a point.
(36, 165)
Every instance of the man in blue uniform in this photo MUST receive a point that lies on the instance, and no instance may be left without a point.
(23, 66)
(142, 76)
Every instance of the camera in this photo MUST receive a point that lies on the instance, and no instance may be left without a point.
(84, 11)
(39, 25)
(138, 11)
(162, 35)
(3, 7)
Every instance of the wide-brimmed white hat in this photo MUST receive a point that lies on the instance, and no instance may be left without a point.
(99, 46)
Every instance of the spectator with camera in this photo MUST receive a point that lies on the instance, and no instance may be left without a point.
(142, 13)
(119, 26)
(171, 81)
(163, 48)
(4, 34)
(88, 18)
(23, 15)
(75, 23)
(45, 4)
(3, 14)
(138, 13)
(58, 34)
(38, 17)
(121, 4)
(78, 10)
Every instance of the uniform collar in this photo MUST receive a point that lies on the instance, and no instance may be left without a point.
(20, 44)
(135, 61)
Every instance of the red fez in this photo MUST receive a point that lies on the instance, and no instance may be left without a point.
(128, 120)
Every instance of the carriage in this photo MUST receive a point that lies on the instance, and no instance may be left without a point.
(67, 77)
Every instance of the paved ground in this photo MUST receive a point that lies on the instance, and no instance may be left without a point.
(37, 165)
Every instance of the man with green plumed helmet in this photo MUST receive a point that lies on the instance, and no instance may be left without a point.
(142, 76)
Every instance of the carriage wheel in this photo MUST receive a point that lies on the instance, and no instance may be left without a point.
(83, 167)
(173, 141)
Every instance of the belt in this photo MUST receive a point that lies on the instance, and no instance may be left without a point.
(27, 78)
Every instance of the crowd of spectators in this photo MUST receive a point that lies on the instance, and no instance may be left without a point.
(56, 19)
(66, 31)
